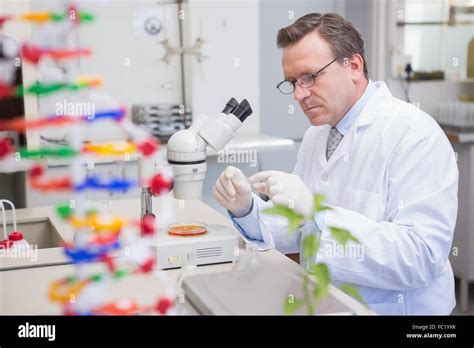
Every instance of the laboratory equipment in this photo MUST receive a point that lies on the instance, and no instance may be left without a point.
(5, 243)
(98, 235)
(43, 89)
(186, 153)
(186, 149)
(42, 17)
(162, 120)
(455, 115)
(161, 183)
(215, 246)
(34, 53)
(247, 262)
(187, 229)
(20, 124)
(195, 50)
(15, 238)
(261, 292)
(18, 241)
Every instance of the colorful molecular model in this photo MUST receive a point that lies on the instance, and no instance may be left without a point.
(123, 246)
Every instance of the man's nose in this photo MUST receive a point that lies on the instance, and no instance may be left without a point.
(300, 93)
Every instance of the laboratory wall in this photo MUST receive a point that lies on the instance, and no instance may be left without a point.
(131, 62)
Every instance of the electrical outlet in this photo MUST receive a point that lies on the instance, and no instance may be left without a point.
(399, 63)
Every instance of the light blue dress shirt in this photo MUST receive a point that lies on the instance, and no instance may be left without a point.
(248, 224)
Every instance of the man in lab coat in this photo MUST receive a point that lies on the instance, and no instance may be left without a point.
(386, 169)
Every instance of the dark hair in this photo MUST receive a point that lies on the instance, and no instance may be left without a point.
(345, 40)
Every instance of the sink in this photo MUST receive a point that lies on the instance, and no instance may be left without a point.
(45, 245)
(38, 232)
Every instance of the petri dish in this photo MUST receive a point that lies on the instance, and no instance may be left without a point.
(187, 229)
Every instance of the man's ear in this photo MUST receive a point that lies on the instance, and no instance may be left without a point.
(356, 66)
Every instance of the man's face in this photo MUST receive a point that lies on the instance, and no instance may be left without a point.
(333, 92)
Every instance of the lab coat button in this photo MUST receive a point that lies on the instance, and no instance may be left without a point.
(325, 177)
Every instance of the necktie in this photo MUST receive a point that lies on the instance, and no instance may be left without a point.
(333, 140)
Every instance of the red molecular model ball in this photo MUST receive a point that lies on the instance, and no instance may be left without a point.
(36, 171)
(161, 184)
(32, 53)
(148, 147)
(5, 147)
(147, 225)
(148, 265)
(163, 305)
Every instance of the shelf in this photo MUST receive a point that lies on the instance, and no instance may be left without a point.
(466, 80)
(440, 23)
(452, 22)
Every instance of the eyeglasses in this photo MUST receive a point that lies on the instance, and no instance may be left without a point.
(305, 81)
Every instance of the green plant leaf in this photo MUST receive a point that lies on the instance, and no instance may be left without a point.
(294, 219)
(291, 306)
(342, 235)
(318, 202)
(321, 273)
(351, 291)
(321, 288)
(311, 244)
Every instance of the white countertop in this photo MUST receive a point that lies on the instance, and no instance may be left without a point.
(24, 291)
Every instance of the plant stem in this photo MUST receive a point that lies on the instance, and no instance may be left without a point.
(307, 297)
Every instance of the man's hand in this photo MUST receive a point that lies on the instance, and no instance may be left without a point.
(286, 189)
(232, 190)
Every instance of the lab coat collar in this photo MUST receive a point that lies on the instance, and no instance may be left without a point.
(369, 114)
(354, 112)
(373, 109)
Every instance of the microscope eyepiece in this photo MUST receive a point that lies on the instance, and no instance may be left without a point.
(243, 110)
(231, 105)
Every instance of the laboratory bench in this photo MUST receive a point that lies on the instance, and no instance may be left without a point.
(24, 283)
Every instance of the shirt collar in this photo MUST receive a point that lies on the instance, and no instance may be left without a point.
(348, 119)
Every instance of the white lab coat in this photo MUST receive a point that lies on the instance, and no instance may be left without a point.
(392, 182)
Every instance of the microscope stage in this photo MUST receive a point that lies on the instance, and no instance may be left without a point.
(215, 246)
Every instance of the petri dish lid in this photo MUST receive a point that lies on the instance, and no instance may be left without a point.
(187, 229)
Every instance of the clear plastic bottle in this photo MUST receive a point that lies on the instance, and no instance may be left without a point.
(18, 241)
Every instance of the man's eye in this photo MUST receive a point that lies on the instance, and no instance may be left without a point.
(305, 79)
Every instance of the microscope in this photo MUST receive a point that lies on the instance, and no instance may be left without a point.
(186, 154)
(186, 149)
